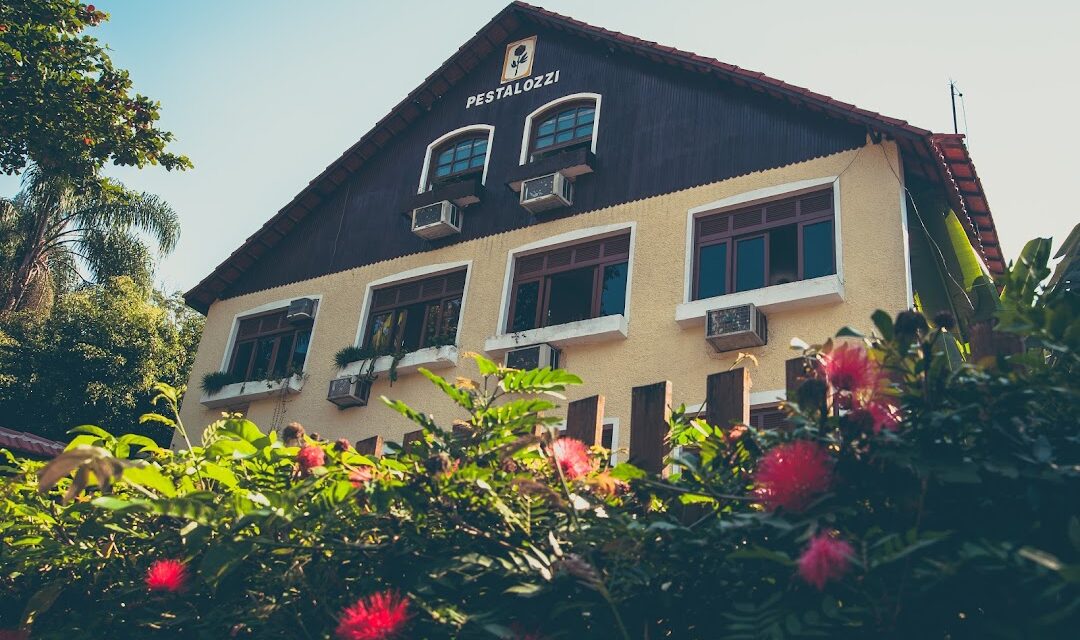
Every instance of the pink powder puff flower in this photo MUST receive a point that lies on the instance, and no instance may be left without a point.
(379, 616)
(826, 558)
(310, 457)
(791, 475)
(166, 575)
(850, 368)
(884, 414)
(572, 457)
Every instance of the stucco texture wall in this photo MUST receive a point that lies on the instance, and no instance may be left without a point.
(657, 348)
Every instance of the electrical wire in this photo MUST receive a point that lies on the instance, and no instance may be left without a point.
(926, 231)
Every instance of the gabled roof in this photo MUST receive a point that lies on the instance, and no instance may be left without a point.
(941, 158)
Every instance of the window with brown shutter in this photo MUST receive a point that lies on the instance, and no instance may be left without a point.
(415, 315)
(568, 284)
(268, 347)
(763, 245)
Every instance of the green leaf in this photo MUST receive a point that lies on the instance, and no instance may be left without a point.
(150, 476)
(627, 472)
(849, 332)
(219, 473)
(884, 323)
(40, 602)
(93, 430)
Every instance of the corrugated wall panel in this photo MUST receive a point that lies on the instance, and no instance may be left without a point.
(660, 130)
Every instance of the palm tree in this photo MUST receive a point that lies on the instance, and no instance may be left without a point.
(54, 236)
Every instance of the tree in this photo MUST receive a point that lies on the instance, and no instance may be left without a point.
(92, 359)
(52, 228)
(63, 106)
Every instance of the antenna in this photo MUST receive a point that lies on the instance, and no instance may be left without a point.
(954, 91)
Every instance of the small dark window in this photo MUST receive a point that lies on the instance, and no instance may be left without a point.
(415, 315)
(562, 128)
(764, 245)
(268, 347)
(570, 284)
(457, 159)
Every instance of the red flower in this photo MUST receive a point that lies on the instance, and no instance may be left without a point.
(376, 617)
(12, 634)
(826, 558)
(573, 457)
(166, 575)
(310, 457)
(791, 475)
(849, 368)
(883, 413)
(360, 476)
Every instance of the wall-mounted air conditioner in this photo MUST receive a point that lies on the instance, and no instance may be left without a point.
(436, 220)
(547, 192)
(537, 356)
(352, 391)
(300, 311)
(738, 327)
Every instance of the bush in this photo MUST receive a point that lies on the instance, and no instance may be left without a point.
(908, 496)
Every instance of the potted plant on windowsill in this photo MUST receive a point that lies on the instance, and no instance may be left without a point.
(215, 381)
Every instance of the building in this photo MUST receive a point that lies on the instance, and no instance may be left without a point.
(659, 185)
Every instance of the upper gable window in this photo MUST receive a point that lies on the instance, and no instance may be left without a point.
(460, 157)
(563, 127)
(765, 244)
(268, 347)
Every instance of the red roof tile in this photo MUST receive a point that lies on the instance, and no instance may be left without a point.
(29, 443)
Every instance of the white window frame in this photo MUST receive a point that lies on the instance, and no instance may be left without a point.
(248, 391)
(591, 330)
(263, 308)
(437, 142)
(574, 97)
(430, 357)
(814, 291)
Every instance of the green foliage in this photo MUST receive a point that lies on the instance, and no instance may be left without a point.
(963, 521)
(92, 359)
(347, 355)
(63, 105)
(215, 381)
(54, 232)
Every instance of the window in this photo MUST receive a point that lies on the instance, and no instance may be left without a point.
(457, 159)
(570, 284)
(563, 127)
(415, 315)
(764, 245)
(268, 347)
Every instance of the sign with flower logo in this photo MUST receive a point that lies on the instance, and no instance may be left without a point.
(518, 61)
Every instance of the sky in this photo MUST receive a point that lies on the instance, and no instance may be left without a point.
(262, 96)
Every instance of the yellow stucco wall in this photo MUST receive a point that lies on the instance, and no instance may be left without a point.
(656, 348)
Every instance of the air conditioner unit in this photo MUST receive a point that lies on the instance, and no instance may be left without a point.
(349, 392)
(547, 192)
(300, 311)
(436, 220)
(736, 328)
(537, 356)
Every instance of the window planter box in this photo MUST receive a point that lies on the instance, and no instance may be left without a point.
(571, 164)
(241, 392)
(781, 297)
(431, 358)
(462, 193)
(601, 329)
